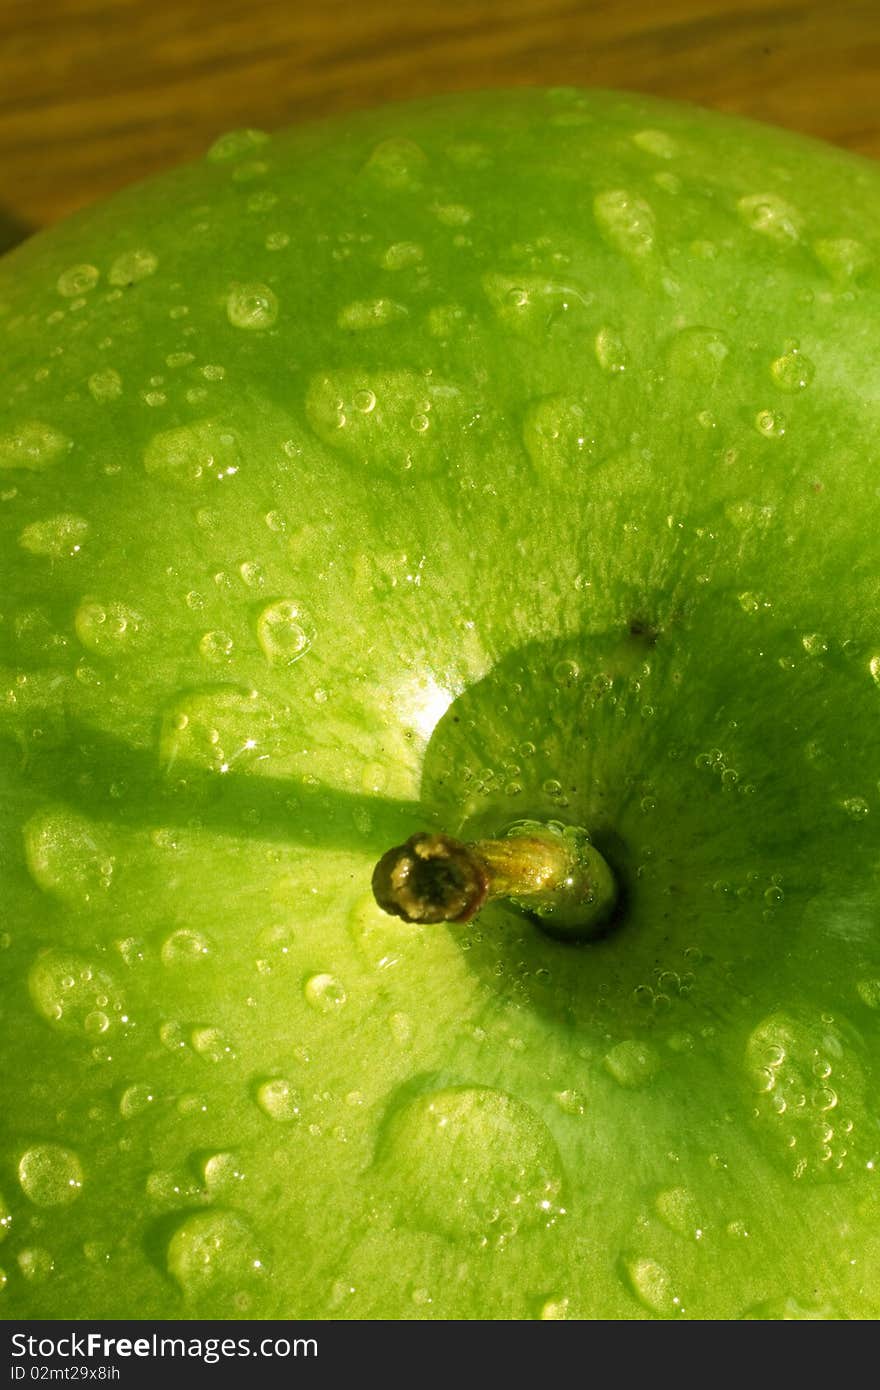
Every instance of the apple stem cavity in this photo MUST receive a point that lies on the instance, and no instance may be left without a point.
(548, 870)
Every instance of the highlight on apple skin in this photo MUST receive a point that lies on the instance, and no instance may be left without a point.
(496, 460)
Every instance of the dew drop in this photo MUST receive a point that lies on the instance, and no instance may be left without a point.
(632, 1064)
(771, 216)
(285, 632)
(236, 144)
(135, 1100)
(656, 142)
(184, 947)
(213, 1250)
(251, 306)
(792, 371)
(5, 1218)
(626, 221)
(570, 1102)
(363, 314)
(67, 855)
(611, 351)
(869, 993)
(403, 254)
(397, 163)
(844, 258)
(770, 423)
(51, 1176)
(57, 538)
(211, 1044)
(65, 990)
(33, 445)
(698, 353)
(105, 385)
(77, 280)
(677, 1209)
(36, 1264)
(132, 267)
(106, 628)
(216, 646)
(652, 1286)
(555, 1310)
(324, 992)
(277, 1099)
(460, 1159)
(193, 453)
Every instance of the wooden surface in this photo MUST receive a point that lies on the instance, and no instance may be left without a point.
(97, 93)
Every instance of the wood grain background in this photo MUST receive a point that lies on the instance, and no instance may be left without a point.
(97, 93)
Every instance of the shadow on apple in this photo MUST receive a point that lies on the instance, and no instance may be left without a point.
(12, 231)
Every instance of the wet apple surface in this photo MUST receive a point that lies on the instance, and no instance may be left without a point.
(504, 458)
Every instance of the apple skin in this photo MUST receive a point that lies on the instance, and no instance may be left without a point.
(499, 456)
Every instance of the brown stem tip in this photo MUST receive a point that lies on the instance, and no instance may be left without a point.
(549, 870)
(431, 878)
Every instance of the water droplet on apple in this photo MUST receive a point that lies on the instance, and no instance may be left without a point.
(792, 371)
(652, 1286)
(67, 855)
(626, 221)
(211, 1043)
(201, 451)
(106, 628)
(219, 729)
(771, 216)
(252, 306)
(220, 1171)
(554, 1310)
(213, 1250)
(57, 537)
(236, 144)
(33, 445)
(770, 423)
(51, 1176)
(470, 1160)
(403, 254)
(869, 993)
(135, 1100)
(363, 314)
(105, 385)
(324, 992)
(698, 353)
(66, 989)
(656, 142)
(856, 807)
(632, 1064)
(814, 643)
(611, 351)
(184, 947)
(397, 163)
(133, 266)
(5, 1218)
(843, 257)
(558, 436)
(277, 1099)
(216, 646)
(285, 632)
(570, 1102)
(77, 280)
(677, 1209)
(789, 1310)
(813, 1128)
(36, 1264)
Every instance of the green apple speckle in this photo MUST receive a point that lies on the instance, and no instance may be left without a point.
(501, 458)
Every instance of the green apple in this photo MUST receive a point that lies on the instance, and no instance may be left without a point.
(497, 459)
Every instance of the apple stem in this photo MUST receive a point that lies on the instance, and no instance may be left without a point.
(549, 870)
